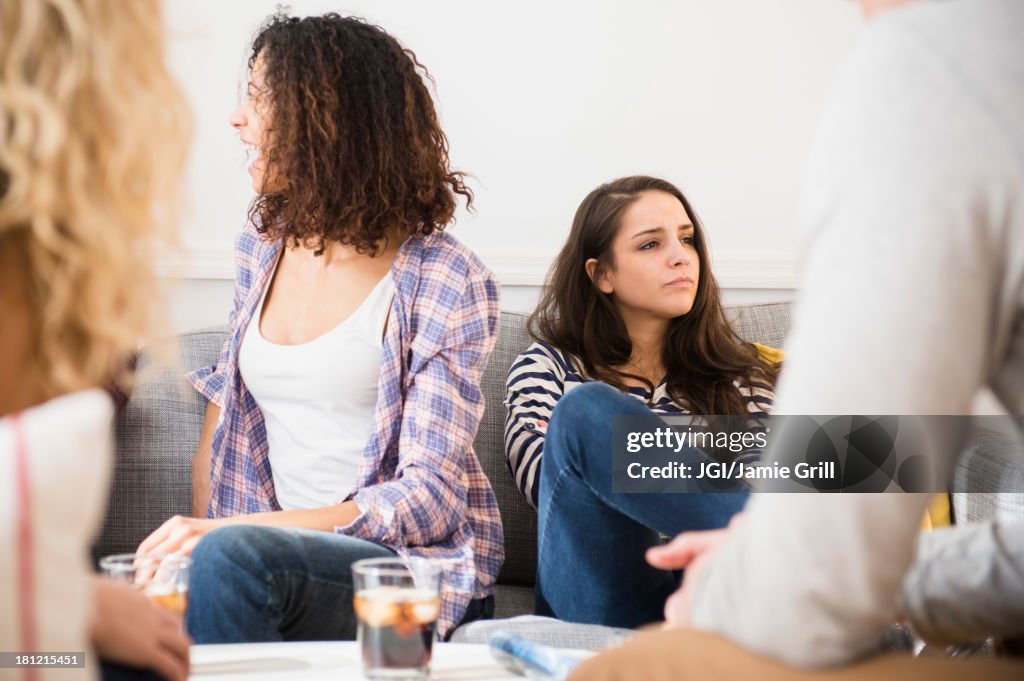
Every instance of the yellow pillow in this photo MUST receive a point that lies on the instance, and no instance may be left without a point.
(938, 513)
(770, 355)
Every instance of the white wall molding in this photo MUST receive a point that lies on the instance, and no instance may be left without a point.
(197, 263)
(734, 270)
(755, 270)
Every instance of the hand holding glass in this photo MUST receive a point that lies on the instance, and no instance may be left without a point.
(163, 578)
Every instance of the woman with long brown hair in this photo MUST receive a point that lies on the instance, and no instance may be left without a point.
(344, 406)
(630, 325)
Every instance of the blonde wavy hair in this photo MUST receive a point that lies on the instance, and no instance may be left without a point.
(93, 141)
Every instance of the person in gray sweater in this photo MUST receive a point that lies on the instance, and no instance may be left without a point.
(912, 299)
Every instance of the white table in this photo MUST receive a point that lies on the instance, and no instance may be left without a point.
(337, 661)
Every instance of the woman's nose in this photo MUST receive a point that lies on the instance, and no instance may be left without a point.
(237, 119)
(681, 255)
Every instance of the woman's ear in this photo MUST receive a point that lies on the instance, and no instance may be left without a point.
(599, 275)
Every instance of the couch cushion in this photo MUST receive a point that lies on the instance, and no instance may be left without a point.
(988, 480)
(510, 601)
(766, 323)
(156, 436)
(545, 630)
(518, 519)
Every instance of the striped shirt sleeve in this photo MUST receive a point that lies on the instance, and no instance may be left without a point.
(535, 383)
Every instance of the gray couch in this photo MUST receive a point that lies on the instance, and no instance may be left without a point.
(158, 430)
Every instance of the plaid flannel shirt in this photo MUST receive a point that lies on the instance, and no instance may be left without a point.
(420, 486)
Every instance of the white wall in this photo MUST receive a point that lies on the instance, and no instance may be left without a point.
(541, 102)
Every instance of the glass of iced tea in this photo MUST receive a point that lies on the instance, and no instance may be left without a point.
(163, 578)
(397, 602)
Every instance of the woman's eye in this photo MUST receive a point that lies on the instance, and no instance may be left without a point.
(648, 245)
(688, 240)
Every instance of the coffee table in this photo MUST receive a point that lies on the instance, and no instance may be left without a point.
(336, 661)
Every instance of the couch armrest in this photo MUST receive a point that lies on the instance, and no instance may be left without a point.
(988, 480)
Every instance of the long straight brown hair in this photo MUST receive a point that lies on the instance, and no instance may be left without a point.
(702, 354)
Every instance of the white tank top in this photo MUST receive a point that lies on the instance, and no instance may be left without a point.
(318, 400)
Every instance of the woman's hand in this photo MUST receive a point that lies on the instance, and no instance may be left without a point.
(178, 535)
(181, 534)
(128, 629)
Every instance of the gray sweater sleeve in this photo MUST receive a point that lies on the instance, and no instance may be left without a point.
(900, 294)
(967, 582)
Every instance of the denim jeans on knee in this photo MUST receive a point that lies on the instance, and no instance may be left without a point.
(254, 584)
(591, 540)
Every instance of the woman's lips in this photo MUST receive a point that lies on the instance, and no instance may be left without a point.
(681, 282)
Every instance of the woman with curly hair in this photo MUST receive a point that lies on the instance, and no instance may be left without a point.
(92, 147)
(630, 325)
(347, 396)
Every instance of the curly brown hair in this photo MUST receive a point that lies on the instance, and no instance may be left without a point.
(354, 137)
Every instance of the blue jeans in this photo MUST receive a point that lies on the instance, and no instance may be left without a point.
(591, 540)
(253, 584)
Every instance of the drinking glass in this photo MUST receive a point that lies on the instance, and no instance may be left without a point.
(396, 602)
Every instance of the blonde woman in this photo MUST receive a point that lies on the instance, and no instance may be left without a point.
(92, 145)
